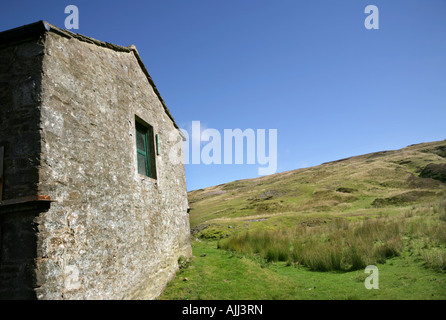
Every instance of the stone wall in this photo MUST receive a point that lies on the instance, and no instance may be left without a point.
(20, 87)
(18, 251)
(111, 233)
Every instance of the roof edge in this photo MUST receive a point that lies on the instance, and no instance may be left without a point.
(38, 28)
(27, 31)
(115, 47)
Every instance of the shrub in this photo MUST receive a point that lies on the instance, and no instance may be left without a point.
(434, 171)
(435, 258)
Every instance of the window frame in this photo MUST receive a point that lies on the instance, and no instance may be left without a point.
(142, 127)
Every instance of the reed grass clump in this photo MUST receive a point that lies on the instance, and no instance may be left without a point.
(343, 245)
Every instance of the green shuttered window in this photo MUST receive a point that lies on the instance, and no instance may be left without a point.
(145, 149)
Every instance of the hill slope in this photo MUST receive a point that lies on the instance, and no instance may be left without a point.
(367, 185)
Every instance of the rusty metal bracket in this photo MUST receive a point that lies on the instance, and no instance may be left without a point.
(25, 203)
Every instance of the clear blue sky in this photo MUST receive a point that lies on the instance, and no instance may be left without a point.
(309, 69)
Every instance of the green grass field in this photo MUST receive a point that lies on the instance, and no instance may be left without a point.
(310, 233)
(216, 274)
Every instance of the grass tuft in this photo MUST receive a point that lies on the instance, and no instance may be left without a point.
(343, 245)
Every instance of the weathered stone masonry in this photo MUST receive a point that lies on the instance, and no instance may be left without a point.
(77, 219)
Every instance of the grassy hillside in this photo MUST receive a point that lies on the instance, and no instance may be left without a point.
(309, 233)
(366, 185)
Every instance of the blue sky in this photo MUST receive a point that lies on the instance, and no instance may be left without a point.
(309, 69)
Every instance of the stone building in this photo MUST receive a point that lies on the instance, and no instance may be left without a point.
(91, 207)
